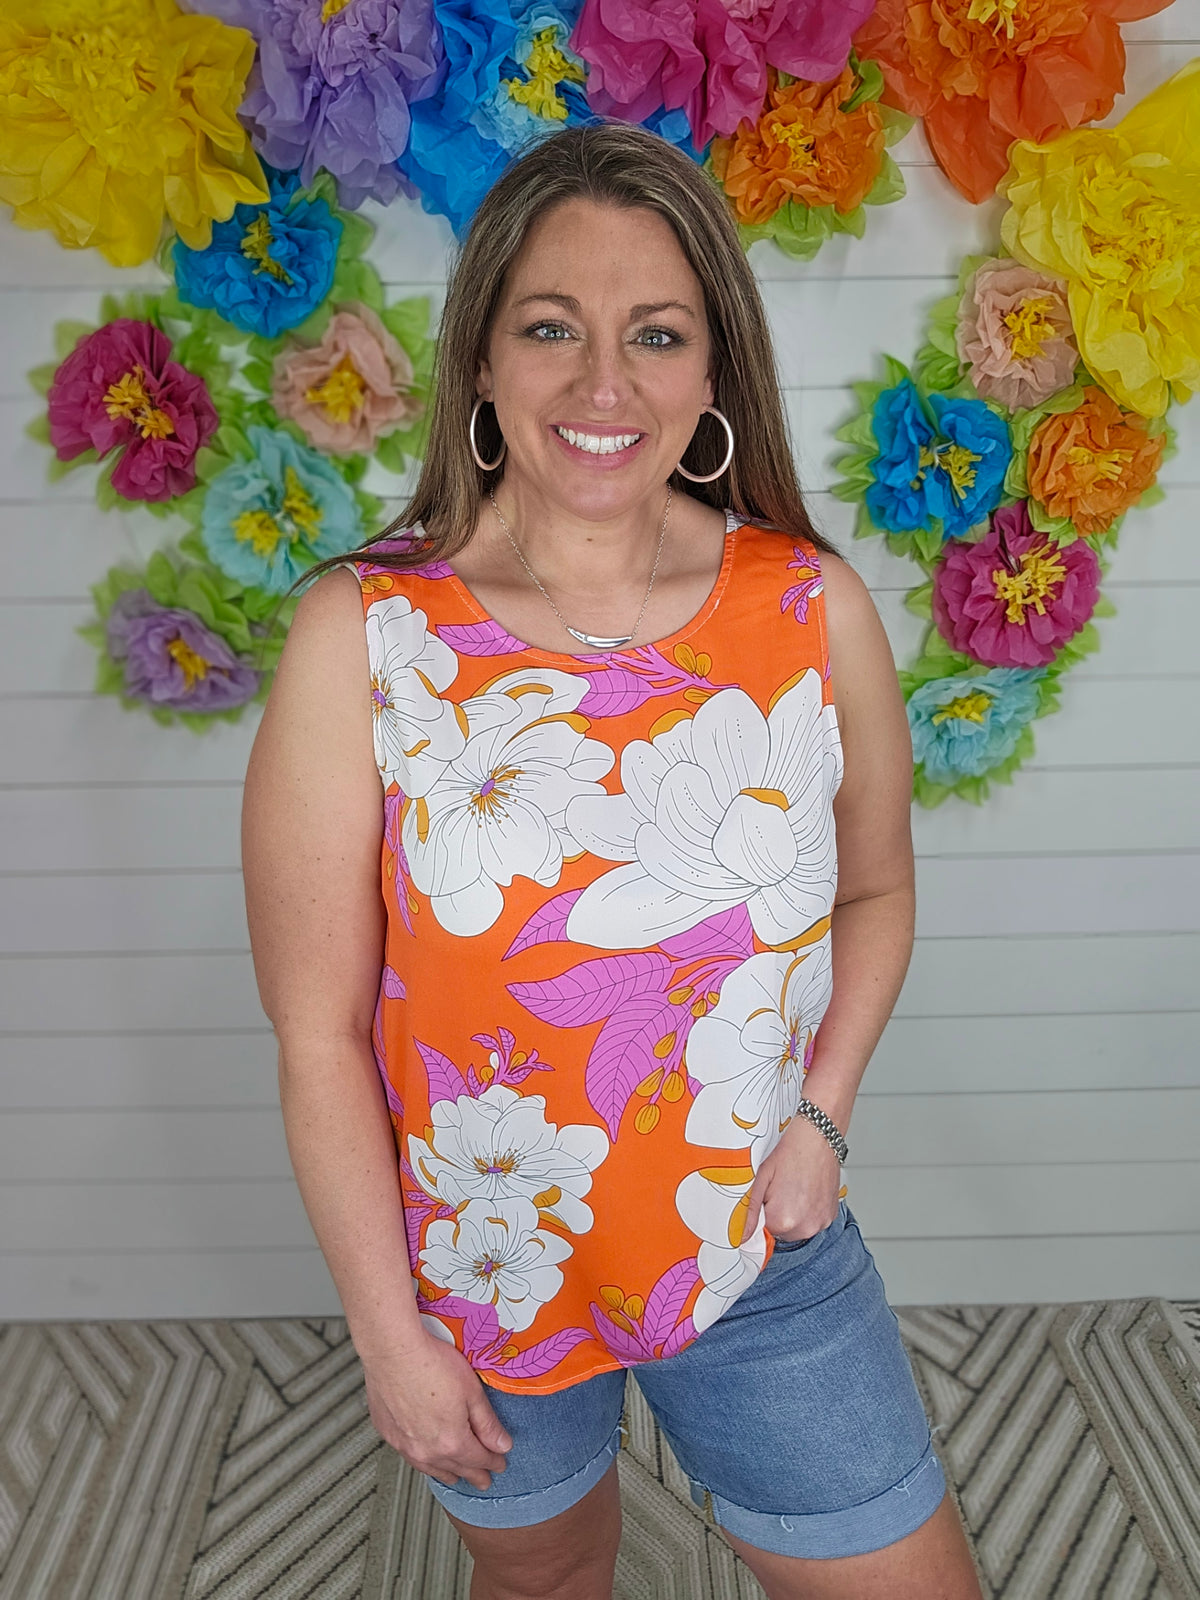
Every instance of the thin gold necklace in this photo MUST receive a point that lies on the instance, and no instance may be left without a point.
(593, 640)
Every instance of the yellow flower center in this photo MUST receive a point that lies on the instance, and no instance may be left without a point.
(970, 707)
(340, 397)
(1041, 570)
(499, 1165)
(128, 398)
(256, 246)
(800, 141)
(1001, 14)
(492, 792)
(195, 667)
(547, 67)
(331, 8)
(1030, 327)
(298, 519)
(955, 460)
(1107, 466)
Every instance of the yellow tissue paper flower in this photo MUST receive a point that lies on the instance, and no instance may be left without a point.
(1116, 212)
(114, 113)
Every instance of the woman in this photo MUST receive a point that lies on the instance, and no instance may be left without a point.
(545, 901)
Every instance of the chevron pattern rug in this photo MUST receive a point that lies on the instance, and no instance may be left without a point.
(236, 1461)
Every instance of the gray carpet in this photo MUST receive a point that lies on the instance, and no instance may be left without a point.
(236, 1460)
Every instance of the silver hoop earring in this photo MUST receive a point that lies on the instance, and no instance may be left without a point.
(708, 478)
(484, 466)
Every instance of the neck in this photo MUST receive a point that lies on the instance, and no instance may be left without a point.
(570, 552)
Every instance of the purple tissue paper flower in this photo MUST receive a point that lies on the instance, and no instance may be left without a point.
(172, 660)
(332, 85)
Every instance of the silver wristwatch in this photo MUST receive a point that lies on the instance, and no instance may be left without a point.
(827, 1126)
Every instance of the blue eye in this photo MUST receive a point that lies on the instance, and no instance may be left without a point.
(535, 329)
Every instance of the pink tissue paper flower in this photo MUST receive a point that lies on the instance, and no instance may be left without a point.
(1014, 332)
(118, 389)
(350, 389)
(1016, 597)
(708, 56)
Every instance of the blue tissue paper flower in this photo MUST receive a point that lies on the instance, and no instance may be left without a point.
(267, 520)
(965, 725)
(950, 471)
(269, 266)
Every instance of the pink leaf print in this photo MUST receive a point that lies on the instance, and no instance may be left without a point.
(614, 691)
(684, 1333)
(626, 1346)
(623, 1054)
(544, 1355)
(547, 924)
(446, 1081)
(666, 1300)
(393, 985)
(478, 638)
(727, 933)
(593, 989)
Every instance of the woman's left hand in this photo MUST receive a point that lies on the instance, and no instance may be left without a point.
(797, 1186)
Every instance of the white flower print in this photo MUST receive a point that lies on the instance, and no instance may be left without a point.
(749, 1051)
(494, 1258)
(712, 1203)
(729, 808)
(496, 810)
(416, 732)
(500, 1147)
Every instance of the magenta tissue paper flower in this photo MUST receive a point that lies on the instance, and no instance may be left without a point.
(1016, 597)
(332, 85)
(119, 389)
(708, 56)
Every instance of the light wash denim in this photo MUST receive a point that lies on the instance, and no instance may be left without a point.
(795, 1414)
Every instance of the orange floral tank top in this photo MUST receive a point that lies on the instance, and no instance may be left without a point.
(609, 881)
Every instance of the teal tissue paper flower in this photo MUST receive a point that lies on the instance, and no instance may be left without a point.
(965, 725)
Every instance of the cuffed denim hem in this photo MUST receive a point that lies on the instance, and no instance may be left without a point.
(524, 1510)
(877, 1522)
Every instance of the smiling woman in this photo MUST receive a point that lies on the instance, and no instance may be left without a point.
(670, 874)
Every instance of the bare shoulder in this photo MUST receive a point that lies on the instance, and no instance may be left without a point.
(324, 661)
(861, 665)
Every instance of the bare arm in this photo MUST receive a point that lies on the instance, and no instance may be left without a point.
(312, 824)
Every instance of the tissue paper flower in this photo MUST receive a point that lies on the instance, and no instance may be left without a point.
(268, 267)
(1014, 598)
(966, 725)
(334, 85)
(948, 471)
(708, 57)
(1116, 213)
(1014, 333)
(267, 520)
(113, 116)
(985, 72)
(1091, 464)
(119, 390)
(804, 146)
(171, 660)
(351, 388)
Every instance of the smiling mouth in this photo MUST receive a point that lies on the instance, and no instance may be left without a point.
(597, 444)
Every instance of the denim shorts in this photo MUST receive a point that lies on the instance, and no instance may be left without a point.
(795, 1416)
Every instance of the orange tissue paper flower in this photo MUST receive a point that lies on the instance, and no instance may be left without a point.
(985, 72)
(116, 113)
(1093, 463)
(805, 147)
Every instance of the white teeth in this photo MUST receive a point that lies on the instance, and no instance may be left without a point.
(598, 444)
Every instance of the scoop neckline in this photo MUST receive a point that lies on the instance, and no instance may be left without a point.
(732, 529)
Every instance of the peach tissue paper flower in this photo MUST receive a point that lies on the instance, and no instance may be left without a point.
(1115, 212)
(985, 72)
(1014, 333)
(1092, 464)
(347, 391)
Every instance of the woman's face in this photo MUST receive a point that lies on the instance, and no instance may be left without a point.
(601, 330)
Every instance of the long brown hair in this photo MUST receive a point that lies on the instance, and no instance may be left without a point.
(621, 164)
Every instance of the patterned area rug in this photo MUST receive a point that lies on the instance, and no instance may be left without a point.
(236, 1461)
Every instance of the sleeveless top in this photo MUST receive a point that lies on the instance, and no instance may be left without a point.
(609, 882)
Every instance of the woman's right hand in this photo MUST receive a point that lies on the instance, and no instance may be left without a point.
(428, 1402)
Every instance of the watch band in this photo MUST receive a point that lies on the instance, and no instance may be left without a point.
(828, 1127)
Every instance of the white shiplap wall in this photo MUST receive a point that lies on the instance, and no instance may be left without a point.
(1030, 1126)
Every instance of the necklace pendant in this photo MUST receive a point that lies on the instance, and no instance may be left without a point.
(597, 644)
